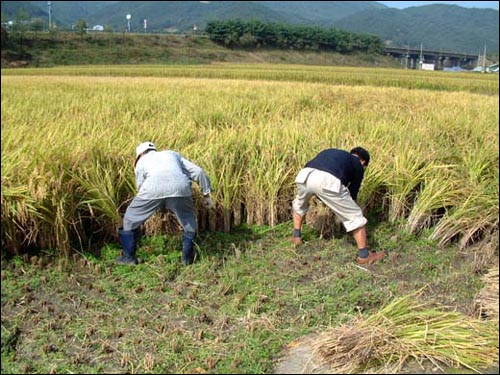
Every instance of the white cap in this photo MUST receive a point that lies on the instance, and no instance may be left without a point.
(144, 147)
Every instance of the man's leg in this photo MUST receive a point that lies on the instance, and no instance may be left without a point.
(365, 256)
(139, 211)
(351, 215)
(297, 228)
(360, 237)
(136, 214)
(183, 208)
(300, 206)
(128, 240)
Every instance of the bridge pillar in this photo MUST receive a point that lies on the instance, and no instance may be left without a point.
(403, 61)
(439, 63)
(447, 63)
(412, 63)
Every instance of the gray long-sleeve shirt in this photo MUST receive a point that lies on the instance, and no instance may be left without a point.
(167, 174)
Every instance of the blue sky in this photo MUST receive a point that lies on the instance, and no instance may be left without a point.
(465, 4)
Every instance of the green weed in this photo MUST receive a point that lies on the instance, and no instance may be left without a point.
(232, 311)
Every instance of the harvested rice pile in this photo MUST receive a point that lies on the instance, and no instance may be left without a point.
(406, 329)
(487, 299)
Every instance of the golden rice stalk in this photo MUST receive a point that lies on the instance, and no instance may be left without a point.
(406, 329)
(476, 214)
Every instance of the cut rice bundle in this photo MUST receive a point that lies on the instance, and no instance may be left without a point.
(406, 329)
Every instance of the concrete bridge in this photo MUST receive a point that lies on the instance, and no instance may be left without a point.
(410, 58)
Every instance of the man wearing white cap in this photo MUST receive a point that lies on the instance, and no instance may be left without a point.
(163, 180)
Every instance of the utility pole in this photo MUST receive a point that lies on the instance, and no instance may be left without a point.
(421, 56)
(407, 56)
(49, 3)
(129, 16)
(484, 59)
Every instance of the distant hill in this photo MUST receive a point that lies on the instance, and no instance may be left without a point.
(320, 13)
(446, 27)
(439, 27)
(180, 16)
(10, 8)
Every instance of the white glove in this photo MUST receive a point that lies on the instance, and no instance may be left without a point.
(209, 203)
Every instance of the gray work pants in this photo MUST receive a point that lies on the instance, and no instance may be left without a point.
(140, 210)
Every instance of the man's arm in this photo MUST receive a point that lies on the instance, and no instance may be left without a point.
(355, 184)
(197, 174)
(139, 177)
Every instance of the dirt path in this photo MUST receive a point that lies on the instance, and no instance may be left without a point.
(299, 359)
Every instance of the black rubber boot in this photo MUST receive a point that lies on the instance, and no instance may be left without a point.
(128, 239)
(188, 252)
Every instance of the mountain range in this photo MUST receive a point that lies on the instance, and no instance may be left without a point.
(439, 27)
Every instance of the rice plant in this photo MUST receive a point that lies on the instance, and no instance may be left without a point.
(69, 135)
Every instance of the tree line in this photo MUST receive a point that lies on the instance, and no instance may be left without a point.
(239, 33)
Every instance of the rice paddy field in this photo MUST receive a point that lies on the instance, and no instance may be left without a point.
(431, 194)
(69, 135)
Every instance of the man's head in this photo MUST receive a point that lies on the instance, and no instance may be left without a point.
(362, 154)
(145, 146)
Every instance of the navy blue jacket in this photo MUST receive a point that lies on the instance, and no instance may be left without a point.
(343, 165)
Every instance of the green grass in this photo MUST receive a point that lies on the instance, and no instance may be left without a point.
(248, 295)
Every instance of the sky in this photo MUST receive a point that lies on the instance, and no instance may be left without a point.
(465, 4)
